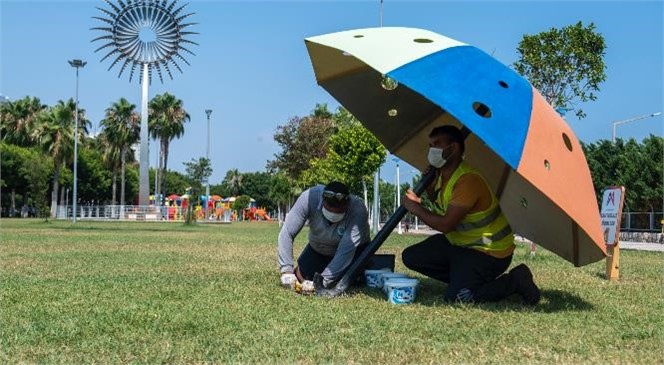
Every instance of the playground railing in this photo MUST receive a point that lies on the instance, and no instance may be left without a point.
(133, 213)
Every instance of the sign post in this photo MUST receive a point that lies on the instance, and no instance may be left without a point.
(612, 206)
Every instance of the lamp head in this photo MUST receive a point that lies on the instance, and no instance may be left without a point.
(77, 63)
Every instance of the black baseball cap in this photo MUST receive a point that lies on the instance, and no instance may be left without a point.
(335, 193)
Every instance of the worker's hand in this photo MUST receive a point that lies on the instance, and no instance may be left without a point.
(305, 287)
(288, 280)
(411, 201)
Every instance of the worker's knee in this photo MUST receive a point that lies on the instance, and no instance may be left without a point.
(408, 258)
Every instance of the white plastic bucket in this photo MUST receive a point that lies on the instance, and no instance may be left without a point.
(401, 290)
(373, 277)
(390, 275)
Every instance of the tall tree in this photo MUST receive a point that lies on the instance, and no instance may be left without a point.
(166, 122)
(653, 172)
(637, 167)
(233, 182)
(353, 156)
(19, 120)
(26, 173)
(301, 141)
(257, 185)
(280, 192)
(198, 171)
(566, 65)
(121, 130)
(55, 134)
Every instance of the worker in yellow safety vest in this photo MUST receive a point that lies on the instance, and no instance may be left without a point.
(475, 247)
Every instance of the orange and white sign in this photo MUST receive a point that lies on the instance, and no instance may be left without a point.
(612, 202)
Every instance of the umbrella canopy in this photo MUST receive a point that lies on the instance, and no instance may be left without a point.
(173, 197)
(402, 82)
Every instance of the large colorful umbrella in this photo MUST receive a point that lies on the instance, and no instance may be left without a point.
(402, 82)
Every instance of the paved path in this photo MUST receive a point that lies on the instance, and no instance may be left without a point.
(644, 246)
(626, 245)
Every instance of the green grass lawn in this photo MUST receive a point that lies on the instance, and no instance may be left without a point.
(167, 293)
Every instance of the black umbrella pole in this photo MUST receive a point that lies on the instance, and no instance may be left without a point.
(374, 245)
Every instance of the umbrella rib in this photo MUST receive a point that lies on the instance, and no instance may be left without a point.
(575, 243)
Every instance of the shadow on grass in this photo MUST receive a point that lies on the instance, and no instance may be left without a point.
(163, 227)
(430, 293)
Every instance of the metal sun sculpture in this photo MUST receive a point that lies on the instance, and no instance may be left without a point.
(145, 32)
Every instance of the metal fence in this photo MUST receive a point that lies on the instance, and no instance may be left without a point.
(136, 213)
(631, 221)
(641, 222)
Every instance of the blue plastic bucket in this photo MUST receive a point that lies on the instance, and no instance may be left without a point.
(401, 290)
(372, 277)
(384, 277)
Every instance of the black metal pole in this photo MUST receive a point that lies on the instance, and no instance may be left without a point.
(373, 246)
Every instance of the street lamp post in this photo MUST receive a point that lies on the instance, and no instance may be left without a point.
(76, 64)
(619, 122)
(398, 192)
(375, 217)
(207, 156)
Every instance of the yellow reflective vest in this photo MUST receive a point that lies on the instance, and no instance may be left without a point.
(487, 231)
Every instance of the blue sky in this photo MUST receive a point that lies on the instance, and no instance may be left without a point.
(253, 71)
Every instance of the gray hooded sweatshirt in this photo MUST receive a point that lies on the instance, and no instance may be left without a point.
(337, 240)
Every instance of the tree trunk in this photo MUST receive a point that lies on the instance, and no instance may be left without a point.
(115, 186)
(62, 199)
(122, 177)
(54, 193)
(164, 153)
(12, 211)
(122, 181)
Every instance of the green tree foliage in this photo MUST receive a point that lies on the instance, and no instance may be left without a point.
(198, 172)
(19, 120)
(257, 185)
(94, 179)
(637, 167)
(302, 140)
(653, 172)
(280, 191)
(241, 203)
(233, 183)
(353, 156)
(177, 182)
(566, 65)
(25, 175)
(33, 171)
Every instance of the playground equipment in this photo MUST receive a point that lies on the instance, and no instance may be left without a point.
(255, 214)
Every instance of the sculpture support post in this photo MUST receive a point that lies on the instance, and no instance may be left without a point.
(144, 183)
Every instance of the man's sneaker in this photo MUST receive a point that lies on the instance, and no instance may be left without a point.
(524, 284)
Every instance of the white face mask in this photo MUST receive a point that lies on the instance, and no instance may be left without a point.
(436, 158)
(333, 217)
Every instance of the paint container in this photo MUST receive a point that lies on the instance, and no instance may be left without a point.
(401, 290)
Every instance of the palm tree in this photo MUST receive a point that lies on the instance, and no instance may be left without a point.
(55, 134)
(19, 120)
(233, 180)
(166, 122)
(121, 130)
